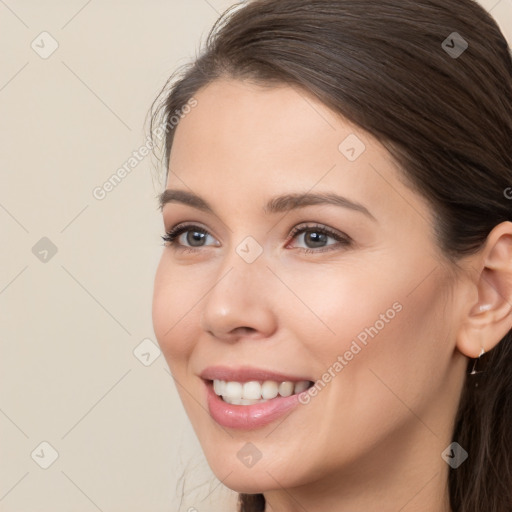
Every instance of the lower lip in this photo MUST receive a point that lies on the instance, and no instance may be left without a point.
(247, 417)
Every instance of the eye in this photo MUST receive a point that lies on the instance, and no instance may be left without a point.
(194, 235)
(316, 237)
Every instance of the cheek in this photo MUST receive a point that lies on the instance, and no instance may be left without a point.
(175, 309)
(340, 304)
(363, 326)
(358, 302)
(391, 341)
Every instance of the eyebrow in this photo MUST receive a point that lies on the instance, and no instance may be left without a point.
(277, 204)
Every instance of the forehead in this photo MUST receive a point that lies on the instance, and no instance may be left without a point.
(279, 116)
(252, 142)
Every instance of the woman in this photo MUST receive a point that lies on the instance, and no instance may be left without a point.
(334, 300)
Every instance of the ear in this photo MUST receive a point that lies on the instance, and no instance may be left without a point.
(490, 318)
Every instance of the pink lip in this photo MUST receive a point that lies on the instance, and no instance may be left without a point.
(247, 417)
(246, 374)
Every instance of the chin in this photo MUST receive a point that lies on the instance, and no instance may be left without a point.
(248, 482)
(261, 477)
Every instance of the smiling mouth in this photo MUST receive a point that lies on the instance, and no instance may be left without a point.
(255, 392)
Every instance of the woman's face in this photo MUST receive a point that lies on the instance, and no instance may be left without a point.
(361, 309)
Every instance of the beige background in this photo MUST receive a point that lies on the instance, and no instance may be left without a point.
(71, 321)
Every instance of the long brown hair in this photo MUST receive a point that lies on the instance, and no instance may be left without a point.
(441, 103)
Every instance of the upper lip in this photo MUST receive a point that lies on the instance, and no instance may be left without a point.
(246, 374)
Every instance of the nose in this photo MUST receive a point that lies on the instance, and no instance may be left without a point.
(239, 303)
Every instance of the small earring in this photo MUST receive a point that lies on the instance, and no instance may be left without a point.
(484, 307)
(474, 371)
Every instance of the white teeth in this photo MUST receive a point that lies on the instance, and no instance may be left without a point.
(286, 388)
(269, 389)
(252, 392)
(218, 386)
(233, 390)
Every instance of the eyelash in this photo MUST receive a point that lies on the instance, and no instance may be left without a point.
(172, 235)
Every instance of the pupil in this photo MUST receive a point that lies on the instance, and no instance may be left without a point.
(317, 238)
(194, 236)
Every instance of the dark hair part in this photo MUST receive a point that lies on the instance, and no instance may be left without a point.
(446, 120)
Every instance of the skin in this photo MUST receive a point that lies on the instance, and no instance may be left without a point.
(372, 438)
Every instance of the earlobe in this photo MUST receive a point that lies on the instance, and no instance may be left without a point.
(490, 318)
